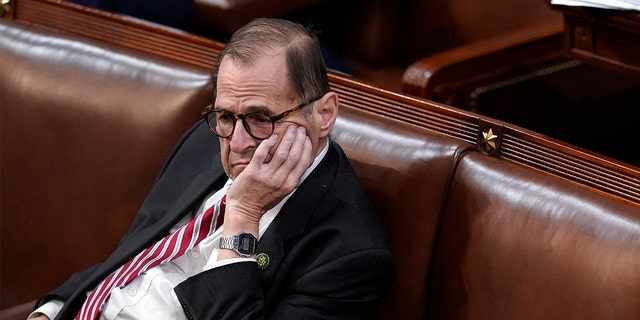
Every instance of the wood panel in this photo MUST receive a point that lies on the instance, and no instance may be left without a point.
(517, 145)
(609, 39)
(124, 31)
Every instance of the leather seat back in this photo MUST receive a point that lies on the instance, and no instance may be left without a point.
(405, 171)
(85, 129)
(516, 244)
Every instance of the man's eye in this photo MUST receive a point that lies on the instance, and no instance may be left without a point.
(224, 118)
(263, 118)
(258, 119)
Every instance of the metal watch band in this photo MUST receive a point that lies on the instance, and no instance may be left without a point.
(245, 244)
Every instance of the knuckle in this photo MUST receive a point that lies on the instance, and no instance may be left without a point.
(281, 155)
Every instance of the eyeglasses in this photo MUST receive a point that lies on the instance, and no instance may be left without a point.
(257, 124)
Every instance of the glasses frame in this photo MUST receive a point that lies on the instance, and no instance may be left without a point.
(209, 110)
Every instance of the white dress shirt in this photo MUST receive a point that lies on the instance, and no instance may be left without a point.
(151, 295)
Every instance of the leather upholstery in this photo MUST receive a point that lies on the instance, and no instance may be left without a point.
(406, 172)
(85, 129)
(516, 244)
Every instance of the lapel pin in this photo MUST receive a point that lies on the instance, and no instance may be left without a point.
(263, 261)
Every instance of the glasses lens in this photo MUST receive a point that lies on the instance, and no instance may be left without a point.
(221, 123)
(259, 125)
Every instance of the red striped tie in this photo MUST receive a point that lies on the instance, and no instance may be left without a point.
(167, 249)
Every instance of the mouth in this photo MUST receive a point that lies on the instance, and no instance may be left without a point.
(240, 164)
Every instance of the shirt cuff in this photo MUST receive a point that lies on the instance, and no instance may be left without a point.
(216, 264)
(49, 309)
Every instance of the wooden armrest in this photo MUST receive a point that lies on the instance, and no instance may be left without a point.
(437, 76)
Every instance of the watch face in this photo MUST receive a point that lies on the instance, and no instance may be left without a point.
(246, 243)
(245, 246)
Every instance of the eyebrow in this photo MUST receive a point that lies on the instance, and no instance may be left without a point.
(250, 109)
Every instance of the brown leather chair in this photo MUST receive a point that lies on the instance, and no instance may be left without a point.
(515, 244)
(107, 116)
(406, 172)
(86, 126)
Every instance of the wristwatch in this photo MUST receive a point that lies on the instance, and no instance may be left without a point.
(245, 244)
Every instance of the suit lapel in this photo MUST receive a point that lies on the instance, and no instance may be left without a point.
(192, 196)
(188, 201)
(294, 215)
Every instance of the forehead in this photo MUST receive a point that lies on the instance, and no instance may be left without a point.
(263, 83)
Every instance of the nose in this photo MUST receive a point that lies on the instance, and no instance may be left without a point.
(240, 140)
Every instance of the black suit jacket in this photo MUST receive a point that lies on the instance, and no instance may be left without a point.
(329, 255)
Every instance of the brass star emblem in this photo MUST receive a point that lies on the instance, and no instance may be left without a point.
(489, 139)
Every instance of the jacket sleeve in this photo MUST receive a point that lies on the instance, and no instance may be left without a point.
(344, 288)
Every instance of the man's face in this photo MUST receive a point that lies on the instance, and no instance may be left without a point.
(260, 87)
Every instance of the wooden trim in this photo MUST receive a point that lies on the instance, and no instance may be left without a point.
(604, 39)
(438, 76)
(120, 30)
(518, 145)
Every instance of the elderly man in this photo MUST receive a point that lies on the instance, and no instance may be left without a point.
(266, 221)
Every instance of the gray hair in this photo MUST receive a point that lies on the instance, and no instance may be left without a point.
(307, 72)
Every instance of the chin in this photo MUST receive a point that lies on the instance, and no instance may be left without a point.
(236, 171)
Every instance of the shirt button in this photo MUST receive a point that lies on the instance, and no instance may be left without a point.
(132, 292)
(195, 254)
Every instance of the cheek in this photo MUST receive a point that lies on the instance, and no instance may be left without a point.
(224, 155)
(313, 131)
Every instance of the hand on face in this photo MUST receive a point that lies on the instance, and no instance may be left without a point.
(274, 171)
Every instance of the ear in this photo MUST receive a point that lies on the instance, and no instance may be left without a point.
(327, 111)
